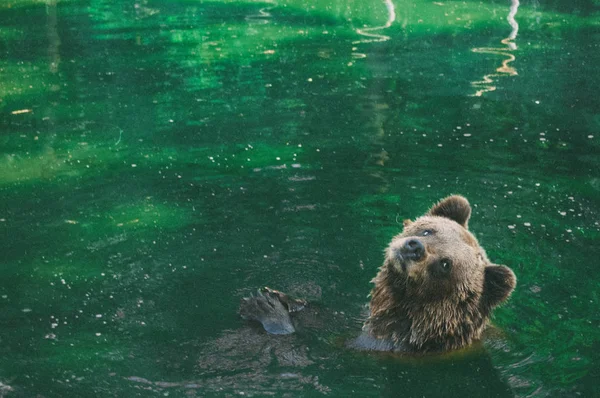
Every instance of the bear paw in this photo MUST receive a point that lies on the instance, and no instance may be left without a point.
(272, 309)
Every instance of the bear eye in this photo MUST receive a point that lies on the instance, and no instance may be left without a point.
(441, 268)
(427, 232)
(446, 264)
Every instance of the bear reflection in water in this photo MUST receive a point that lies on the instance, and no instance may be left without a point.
(434, 292)
(256, 363)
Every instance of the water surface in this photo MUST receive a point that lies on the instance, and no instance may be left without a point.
(161, 159)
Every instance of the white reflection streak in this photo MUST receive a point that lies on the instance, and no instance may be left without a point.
(485, 85)
(263, 16)
(514, 7)
(369, 32)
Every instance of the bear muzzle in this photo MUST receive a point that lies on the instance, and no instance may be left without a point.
(412, 249)
(409, 253)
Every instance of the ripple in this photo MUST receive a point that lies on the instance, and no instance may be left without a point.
(486, 84)
(370, 34)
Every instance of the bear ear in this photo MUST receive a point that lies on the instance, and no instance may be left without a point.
(454, 207)
(498, 284)
(406, 223)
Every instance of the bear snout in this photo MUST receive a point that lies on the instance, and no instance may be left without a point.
(412, 249)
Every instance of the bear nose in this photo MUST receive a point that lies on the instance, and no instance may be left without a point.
(413, 249)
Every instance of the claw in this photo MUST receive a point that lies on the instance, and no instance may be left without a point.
(272, 309)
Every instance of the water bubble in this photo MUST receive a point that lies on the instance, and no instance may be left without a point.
(535, 289)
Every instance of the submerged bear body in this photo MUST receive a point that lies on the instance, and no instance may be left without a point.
(435, 290)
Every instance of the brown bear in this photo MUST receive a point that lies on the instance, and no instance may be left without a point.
(434, 293)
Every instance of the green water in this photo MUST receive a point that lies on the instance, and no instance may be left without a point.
(161, 159)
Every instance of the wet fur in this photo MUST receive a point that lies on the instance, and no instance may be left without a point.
(414, 308)
(415, 312)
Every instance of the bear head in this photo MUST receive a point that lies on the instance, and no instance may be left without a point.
(437, 287)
